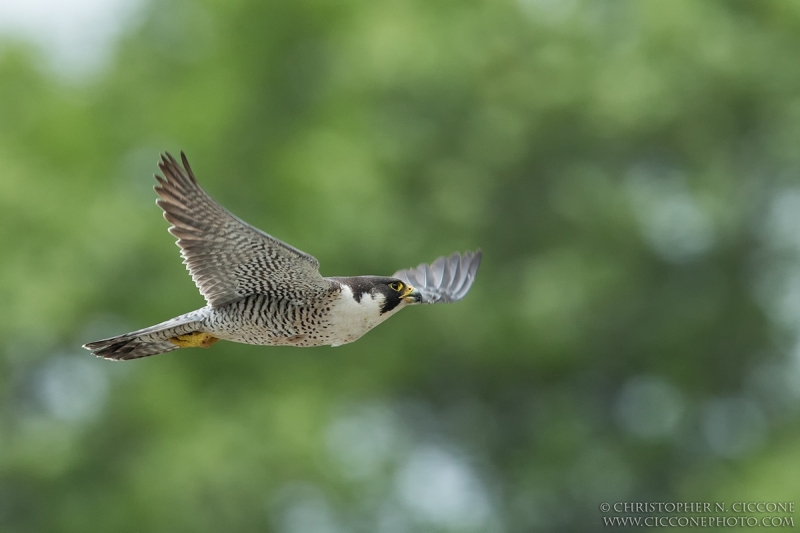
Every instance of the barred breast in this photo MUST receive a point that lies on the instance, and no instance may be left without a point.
(264, 320)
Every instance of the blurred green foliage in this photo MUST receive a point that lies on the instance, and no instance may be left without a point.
(630, 170)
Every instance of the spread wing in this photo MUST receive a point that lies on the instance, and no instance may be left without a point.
(448, 279)
(228, 258)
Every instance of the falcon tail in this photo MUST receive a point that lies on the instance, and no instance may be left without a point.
(180, 332)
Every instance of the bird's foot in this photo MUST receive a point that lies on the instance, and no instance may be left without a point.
(198, 339)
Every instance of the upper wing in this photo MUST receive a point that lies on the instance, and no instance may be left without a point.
(447, 280)
(228, 258)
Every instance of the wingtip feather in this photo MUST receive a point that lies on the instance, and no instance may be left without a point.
(447, 279)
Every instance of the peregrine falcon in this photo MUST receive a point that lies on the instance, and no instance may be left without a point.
(260, 290)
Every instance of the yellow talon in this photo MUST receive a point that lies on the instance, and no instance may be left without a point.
(198, 339)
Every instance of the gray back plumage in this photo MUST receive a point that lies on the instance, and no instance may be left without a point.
(228, 258)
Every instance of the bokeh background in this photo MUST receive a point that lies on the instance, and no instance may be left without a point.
(630, 169)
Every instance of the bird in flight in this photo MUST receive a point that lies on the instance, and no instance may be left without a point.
(260, 290)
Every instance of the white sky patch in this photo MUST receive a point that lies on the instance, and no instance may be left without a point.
(649, 407)
(440, 488)
(72, 387)
(672, 221)
(734, 427)
(303, 508)
(777, 270)
(783, 219)
(363, 441)
(77, 36)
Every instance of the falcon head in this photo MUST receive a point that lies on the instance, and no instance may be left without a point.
(392, 293)
(389, 294)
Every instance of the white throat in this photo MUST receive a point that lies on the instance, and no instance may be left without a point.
(351, 319)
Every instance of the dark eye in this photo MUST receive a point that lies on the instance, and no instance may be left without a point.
(396, 286)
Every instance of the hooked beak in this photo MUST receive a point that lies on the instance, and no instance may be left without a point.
(413, 296)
